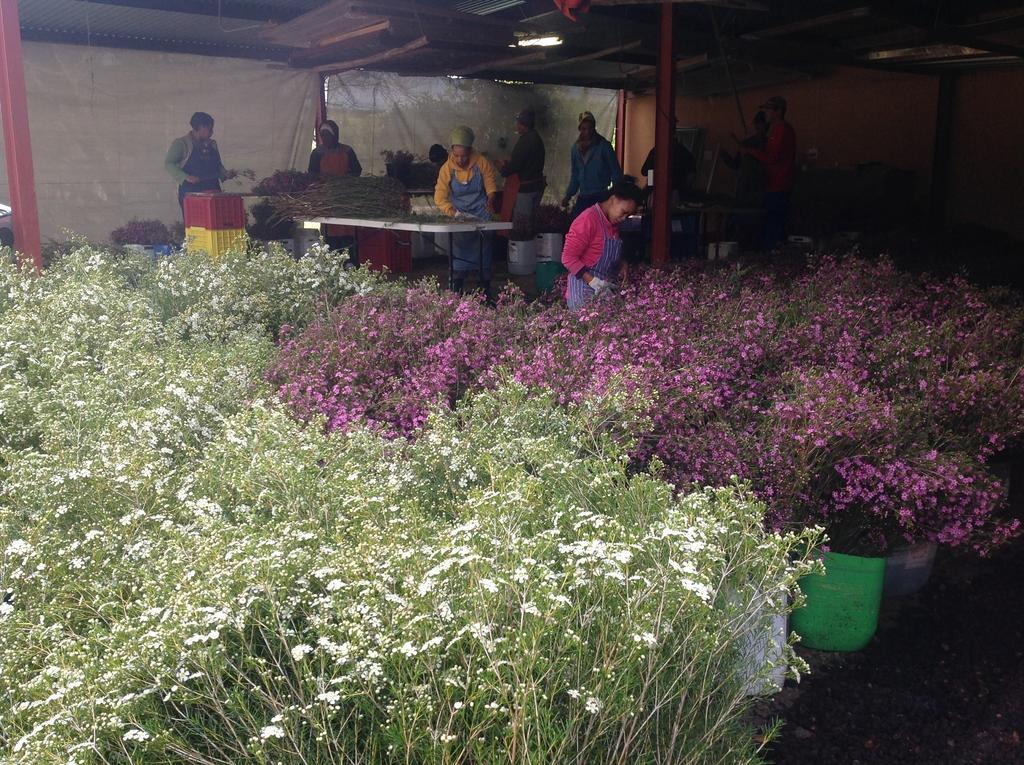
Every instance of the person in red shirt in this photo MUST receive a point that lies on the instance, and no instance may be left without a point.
(779, 160)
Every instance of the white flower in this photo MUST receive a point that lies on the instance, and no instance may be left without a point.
(593, 705)
(136, 735)
(407, 649)
(19, 547)
(647, 638)
(299, 652)
(489, 585)
(458, 705)
(201, 638)
(271, 731)
(6, 609)
(329, 697)
(573, 693)
(334, 585)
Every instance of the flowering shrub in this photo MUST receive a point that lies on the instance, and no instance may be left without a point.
(799, 384)
(188, 574)
(551, 219)
(141, 232)
(385, 360)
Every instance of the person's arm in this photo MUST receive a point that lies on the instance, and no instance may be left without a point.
(772, 152)
(515, 162)
(222, 172)
(576, 253)
(648, 163)
(314, 163)
(443, 191)
(614, 168)
(490, 176)
(173, 161)
(574, 176)
(354, 168)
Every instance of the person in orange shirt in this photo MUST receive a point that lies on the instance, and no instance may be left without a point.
(331, 157)
(467, 185)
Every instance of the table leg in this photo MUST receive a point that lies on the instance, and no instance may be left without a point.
(451, 263)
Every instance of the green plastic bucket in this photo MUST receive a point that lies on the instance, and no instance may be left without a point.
(547, 273)
(841, 613)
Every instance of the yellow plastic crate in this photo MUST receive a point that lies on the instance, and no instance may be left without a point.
(214, 242)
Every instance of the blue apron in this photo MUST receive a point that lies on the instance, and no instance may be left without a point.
(471, 250)
(204, 164)
(607, 268)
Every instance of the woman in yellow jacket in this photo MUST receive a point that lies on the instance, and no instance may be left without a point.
(466, 187)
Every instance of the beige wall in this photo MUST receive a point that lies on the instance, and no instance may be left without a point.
(987, 173)
(103, 118)
(856, 115)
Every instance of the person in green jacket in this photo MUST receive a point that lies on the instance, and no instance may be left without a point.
(194, 159)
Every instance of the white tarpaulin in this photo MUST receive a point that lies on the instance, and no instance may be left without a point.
(102, 121)
(378, 111)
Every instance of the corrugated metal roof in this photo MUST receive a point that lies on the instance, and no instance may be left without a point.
(212, 29)
(104, 24)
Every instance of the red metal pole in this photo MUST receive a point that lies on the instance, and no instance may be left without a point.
(321, 108)
(17, 143)
(663, 140)
(620, 130)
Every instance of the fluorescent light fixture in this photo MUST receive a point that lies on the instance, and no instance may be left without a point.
(540, 42)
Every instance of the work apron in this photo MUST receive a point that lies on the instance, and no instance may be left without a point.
(577, 292)
(471, 250)
(204, 163)
(335, 162)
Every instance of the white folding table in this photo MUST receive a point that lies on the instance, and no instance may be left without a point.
(455, 227)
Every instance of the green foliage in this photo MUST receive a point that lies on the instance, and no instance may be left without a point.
(190, 576)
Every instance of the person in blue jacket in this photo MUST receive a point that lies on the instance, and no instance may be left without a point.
(594, 167)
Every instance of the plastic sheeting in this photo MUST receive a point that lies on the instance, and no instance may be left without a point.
(102, 121)
(378, 111)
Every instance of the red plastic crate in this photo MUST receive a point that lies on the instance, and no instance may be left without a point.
(381, 248)
(214, 211)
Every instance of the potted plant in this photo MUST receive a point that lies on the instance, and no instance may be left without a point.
(398, 164)
(142, 235)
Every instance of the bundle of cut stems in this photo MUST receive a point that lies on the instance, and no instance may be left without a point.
(345, 196)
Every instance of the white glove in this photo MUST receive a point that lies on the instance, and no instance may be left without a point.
(598, 285)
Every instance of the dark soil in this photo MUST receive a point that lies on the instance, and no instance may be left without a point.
(942, 683)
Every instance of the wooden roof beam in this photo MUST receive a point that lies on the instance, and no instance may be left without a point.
(736, 5)
(812, 23)
(306, 30)
(336, 45)
(498, 64)
(377, 58)
(599, 54)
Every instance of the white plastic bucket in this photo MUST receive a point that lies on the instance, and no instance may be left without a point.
(522, 257)
(907, 569)
(722, 250)
(549, 246)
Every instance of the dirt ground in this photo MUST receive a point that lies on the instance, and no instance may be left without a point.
(942, 683)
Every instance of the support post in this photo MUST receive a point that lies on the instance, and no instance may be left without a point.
(664, 124)
(321, 104)
(17, 143)
(620, 130)
(942, 155)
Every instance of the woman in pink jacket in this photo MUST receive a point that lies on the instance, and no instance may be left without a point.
(593, 249)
